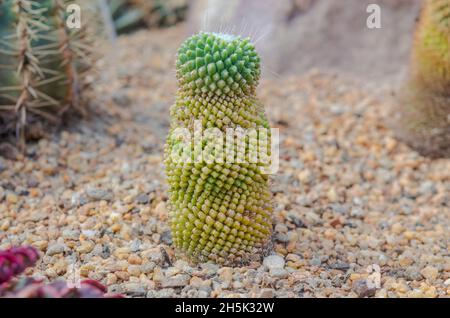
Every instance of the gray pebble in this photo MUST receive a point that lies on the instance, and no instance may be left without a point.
(166, 293)
(148, 268)
(362, 288)
(71, 234)
(134, 289)
(143, 198)
(342, 266)
(56, 248)
(135, 246)
(98, 193)
(315, 262)
(273, 261)
(179, 280)
(279, 272)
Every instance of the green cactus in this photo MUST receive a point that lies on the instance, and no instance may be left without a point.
(424, 101)
(219, 210)
(43, 63)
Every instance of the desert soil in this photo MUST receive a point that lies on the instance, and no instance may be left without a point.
(356, 212)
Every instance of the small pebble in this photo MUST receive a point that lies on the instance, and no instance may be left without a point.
(274, 262)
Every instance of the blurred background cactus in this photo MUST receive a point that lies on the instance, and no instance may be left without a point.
(423, 104)
(44, 64)
(129, 15)
(15, 261)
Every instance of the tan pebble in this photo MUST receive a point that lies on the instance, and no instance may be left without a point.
(330, 234)
(332, 195)
(289, 142)
(145, 211)
(415, 293)
(122, 275)
(134, 260)
(50, 272)
(86, 269)
(409, 235)
(304, 176)
(116, 227)
(397, 228)
(430, 273)
(60, 267)
(428, 291)
(280, 249)
(226, 274)
(405, 261)
(154, 159)
(111, 279)
(41, 245)
(35, 193)
(197, 282)
(291, 246)
(5, 225)
(11, 198)
(401, 287)
(128, 199)
(114, 217)
(158, 275)
(355, 276)
(134, 270)
(85, 247)
(308, 156)
(161, 210)
(126, 234)
(391, 143)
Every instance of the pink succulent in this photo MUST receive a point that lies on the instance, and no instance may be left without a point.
(15, 260)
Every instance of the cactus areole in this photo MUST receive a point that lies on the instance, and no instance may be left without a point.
(220, 206)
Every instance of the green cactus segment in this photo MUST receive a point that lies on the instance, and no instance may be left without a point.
(431, 55)
(43, 62)
(222, 64)
(219, 210)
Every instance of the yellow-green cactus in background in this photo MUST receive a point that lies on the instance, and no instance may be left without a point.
(431, 53)
(220, 210)
(424, 101)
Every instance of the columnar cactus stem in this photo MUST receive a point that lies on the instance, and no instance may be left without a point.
(219, 210)
(424, 101)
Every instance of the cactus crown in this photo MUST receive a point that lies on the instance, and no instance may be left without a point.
(218, 63)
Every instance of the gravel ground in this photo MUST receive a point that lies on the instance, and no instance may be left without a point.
(356, 212)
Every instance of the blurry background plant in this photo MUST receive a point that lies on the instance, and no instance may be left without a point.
(128, 15)
(44, 64)
(15, 261)
(422, 110)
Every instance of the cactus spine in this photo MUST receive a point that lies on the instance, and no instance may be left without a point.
(424, 101)
(43, 63)
(219, 211)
